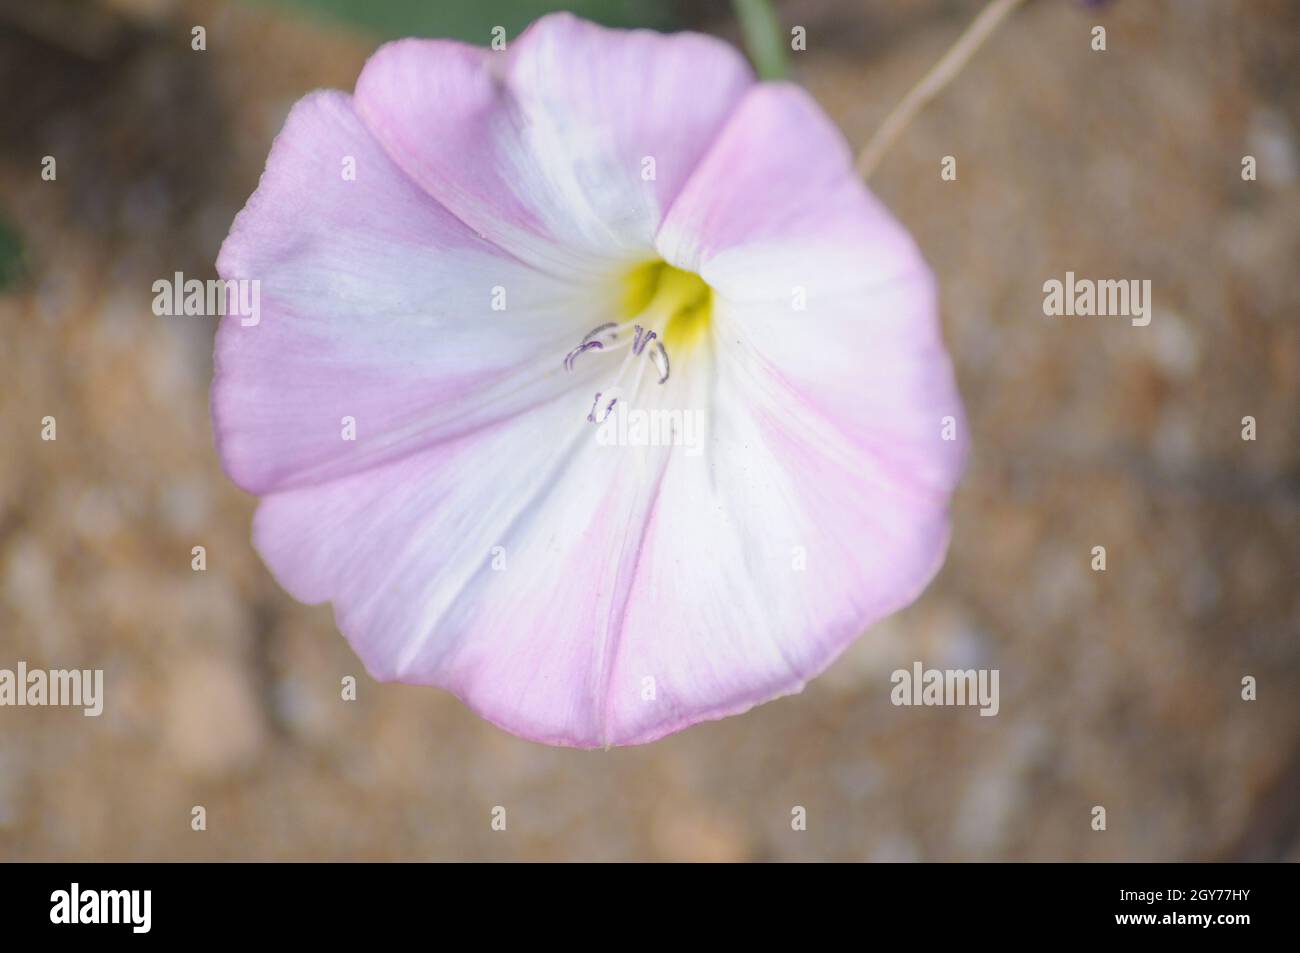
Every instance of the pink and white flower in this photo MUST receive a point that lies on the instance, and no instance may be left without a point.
(626, 214)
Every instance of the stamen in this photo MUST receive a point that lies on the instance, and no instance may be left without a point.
(609, 337)
(662, 361)
(591, 415)
(580, 349)
(639, 344)
(598, 330)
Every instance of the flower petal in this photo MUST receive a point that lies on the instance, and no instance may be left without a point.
(836, 431)
(376, 304)
(560, 128)
(484, 565)
(820, 286)
(764, 558)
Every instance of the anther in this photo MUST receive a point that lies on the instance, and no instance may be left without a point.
(591, 416)
(598, 330)
(642, 338)
(660, 358)
(581, 348)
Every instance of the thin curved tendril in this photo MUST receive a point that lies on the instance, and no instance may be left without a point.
(933, 82)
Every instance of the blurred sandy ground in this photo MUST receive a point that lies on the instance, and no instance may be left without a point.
(1120, 689)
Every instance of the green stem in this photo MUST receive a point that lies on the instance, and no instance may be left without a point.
(764, 38)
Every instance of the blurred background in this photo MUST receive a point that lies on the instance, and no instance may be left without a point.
(1119, 688)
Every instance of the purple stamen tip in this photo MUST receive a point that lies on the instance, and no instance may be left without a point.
(662, 363)
(580, 349)
(638, 345)
(591, 415)
(598, 330)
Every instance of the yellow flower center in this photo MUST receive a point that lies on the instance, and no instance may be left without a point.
(675, 302)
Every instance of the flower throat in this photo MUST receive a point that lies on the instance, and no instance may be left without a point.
(664, 310)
